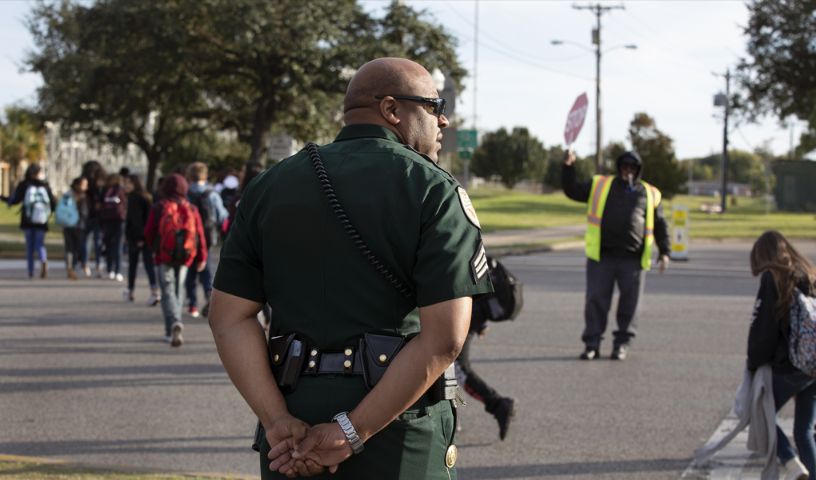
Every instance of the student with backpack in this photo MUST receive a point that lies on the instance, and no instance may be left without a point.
(93, 172)
(213, 214)
(112, 214)
(139, 204)
(772, 340)
(176, 235)
(503, 304)
(37, 204)
(72, 214)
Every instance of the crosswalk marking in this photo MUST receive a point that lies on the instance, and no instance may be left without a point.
(734, 461)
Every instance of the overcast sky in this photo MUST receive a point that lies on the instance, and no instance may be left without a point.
(523, 80)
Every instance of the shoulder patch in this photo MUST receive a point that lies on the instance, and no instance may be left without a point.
(467, 206)
(478, 263)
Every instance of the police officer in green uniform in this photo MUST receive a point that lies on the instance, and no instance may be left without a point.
(289, 248)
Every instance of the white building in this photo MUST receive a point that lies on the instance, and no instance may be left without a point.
(64, 157)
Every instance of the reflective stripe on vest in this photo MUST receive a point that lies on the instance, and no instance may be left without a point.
(601, 185)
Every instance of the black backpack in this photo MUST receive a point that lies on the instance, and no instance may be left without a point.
(504, 303)
(208, 220)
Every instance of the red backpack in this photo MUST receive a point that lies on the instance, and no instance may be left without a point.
(176, 240)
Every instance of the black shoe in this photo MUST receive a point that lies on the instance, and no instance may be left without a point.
(619, 352)
(504, 412)
(589, 354)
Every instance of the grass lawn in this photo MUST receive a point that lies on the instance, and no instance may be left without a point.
(12, 243)
(505, 210)
(32, 470)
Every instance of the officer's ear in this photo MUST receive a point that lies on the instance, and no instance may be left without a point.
(388, 110)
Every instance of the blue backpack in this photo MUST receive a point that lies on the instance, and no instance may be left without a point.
(802, 345)
(67, 214)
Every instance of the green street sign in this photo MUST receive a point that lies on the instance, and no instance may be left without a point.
(466, 139)
(465, 154)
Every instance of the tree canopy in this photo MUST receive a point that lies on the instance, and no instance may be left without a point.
(656, 149)
(510, 156)
(779, 74)
(21, 139)
(154, 73)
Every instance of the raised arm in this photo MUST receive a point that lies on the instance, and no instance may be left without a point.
(572, 188)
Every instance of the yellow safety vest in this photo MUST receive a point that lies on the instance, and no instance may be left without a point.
(595, 207)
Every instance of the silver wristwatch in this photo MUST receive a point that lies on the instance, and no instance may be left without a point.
(348, 429)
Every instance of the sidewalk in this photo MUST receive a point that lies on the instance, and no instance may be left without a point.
(517, 242)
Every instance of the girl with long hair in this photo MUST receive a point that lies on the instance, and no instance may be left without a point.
(783, 270)
(37, 205)
(112, 213)
(95, 174)
(74, 234)
(139, 204)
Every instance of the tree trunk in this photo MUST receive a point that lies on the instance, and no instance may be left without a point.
(153, 161)
(259, 142)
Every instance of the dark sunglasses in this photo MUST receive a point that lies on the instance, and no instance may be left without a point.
(437, 104)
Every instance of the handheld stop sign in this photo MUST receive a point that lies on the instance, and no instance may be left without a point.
(575, 119)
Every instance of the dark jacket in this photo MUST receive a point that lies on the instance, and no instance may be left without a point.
(624, 216)
(18, 197)
(768, 337)
(138, 209)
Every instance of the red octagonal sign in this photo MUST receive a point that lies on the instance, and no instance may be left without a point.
(575, 119)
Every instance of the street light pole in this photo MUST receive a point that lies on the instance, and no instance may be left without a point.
(596, 37)
(598, 10)
(725, 142)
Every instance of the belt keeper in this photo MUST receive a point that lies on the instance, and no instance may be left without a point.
(313, 361)
(348, 360)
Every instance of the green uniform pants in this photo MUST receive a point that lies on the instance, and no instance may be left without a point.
(412, 447)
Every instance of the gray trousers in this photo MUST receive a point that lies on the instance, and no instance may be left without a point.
(601, 278)
(171, 280)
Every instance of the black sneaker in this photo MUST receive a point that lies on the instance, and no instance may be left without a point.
(619, 352)
(504, 412)
(589, 353)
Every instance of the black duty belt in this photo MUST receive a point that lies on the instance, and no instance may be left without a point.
(370, 355)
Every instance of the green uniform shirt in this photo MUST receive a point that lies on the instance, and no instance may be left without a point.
(287, 248)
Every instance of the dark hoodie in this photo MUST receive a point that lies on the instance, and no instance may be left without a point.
(624, 216)
(18, 197)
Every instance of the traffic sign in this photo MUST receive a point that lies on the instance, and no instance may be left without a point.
(680, 233)
(466, 139)
(575, 119)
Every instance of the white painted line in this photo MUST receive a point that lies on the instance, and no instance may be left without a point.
(734, 461)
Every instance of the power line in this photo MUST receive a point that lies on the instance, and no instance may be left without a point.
(499, 45)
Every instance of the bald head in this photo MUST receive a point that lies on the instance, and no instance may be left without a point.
(383, 76)
(403, 87)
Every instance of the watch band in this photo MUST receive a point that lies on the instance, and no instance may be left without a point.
(348, 429)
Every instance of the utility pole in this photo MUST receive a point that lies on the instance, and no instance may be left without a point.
(598, 10)
(725, 141)
(475, 65)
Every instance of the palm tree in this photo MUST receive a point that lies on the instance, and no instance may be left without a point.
(21, 140)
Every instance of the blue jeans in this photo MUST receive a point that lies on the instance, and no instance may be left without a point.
(785, 386)
(35, 241)
(92, 229)
(205, 276)
(171, 280)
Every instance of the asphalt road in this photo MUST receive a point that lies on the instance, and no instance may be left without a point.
(84, 376)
